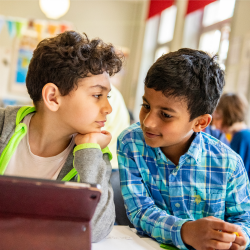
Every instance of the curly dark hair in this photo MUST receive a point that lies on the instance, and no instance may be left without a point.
(65, 59)
(191, 75)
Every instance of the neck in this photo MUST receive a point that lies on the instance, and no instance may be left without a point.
(174, 152)
(47, 136)
(236, 127)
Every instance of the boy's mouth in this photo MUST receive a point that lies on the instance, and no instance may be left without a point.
(150, 135)
(101, 123)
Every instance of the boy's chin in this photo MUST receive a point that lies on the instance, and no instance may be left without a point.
(90, 131)
(152, 144)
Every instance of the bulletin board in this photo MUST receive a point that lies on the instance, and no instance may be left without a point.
(24, 41)
(21, 56)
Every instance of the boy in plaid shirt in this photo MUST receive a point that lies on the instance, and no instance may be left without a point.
(181, 186)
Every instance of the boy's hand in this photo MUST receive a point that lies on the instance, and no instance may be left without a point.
(240, 242)
(103, 138)
(210, 233)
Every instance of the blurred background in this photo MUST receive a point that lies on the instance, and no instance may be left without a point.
(142, 29)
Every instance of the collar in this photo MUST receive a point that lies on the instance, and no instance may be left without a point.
(193, 151)
(195, 148)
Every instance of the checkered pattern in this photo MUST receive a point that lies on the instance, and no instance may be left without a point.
(210, 180)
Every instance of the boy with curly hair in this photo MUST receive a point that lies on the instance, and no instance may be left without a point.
(61, 138)
(182, 186)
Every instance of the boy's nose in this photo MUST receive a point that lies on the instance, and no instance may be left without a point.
(107, 108)
(150, 120)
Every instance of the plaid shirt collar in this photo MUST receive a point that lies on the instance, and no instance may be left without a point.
(194, 151)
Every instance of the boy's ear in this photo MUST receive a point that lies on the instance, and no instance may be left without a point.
(51, 96)
(202, 122)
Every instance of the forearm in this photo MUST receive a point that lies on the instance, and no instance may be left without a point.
(2, 111)
(94, 167)
(238, 200)
(158, 224)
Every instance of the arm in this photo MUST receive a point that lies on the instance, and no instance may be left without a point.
(238, 200)
(2, 113)
(94, 167)
(141, 209)
(213, 233)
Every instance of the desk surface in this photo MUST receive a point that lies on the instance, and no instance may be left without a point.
(123, 238)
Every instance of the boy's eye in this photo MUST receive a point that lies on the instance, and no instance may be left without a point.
(97, 96)
(145, 106)
(166, 115)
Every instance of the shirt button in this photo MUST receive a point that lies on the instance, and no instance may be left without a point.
(177, 204)
(175, 173)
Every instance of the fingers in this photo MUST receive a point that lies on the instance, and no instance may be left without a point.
(237, 247)
(241, 240)
(220, 245)
(234, 247)
(225, 226)
(105, 132)
(223, 236)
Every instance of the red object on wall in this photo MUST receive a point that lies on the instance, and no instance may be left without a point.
(194, 5)
(157, 6)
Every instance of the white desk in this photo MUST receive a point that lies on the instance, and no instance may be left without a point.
(123, 238)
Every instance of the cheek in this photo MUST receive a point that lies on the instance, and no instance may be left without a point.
(83, 113)
(167, 130)
(174, 130)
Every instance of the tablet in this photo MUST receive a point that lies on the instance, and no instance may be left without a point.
(45, 214)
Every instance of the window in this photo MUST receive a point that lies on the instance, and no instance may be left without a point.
(210, 41)
(167, 24)
(215, 29)
(165, 31)
(218, 11)
(161, 51)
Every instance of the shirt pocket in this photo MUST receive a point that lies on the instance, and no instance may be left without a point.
(202, 203)
(215, 204)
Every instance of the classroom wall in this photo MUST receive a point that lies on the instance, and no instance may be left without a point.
(238, 62)
(237, 66)
(120, 22)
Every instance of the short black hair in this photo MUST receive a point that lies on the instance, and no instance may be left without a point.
(191, 75)
(65, 59)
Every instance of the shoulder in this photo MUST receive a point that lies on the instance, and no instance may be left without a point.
(9, 110)
(132, 139)
(131, 143)
(242, 135)
(241, 142)
(8, 115)
(131, 134)
(218, 152)
(215, 146)
(217, 134)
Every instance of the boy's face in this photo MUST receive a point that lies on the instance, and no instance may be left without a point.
(165, 120)
(84, 110)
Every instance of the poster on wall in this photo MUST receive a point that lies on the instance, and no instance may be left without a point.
(23, 46)
(23, 60)
(21, 56)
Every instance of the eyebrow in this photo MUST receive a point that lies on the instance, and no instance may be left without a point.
(100, 86)
(163, 108)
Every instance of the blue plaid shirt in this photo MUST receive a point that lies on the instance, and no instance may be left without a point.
(210, 180)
